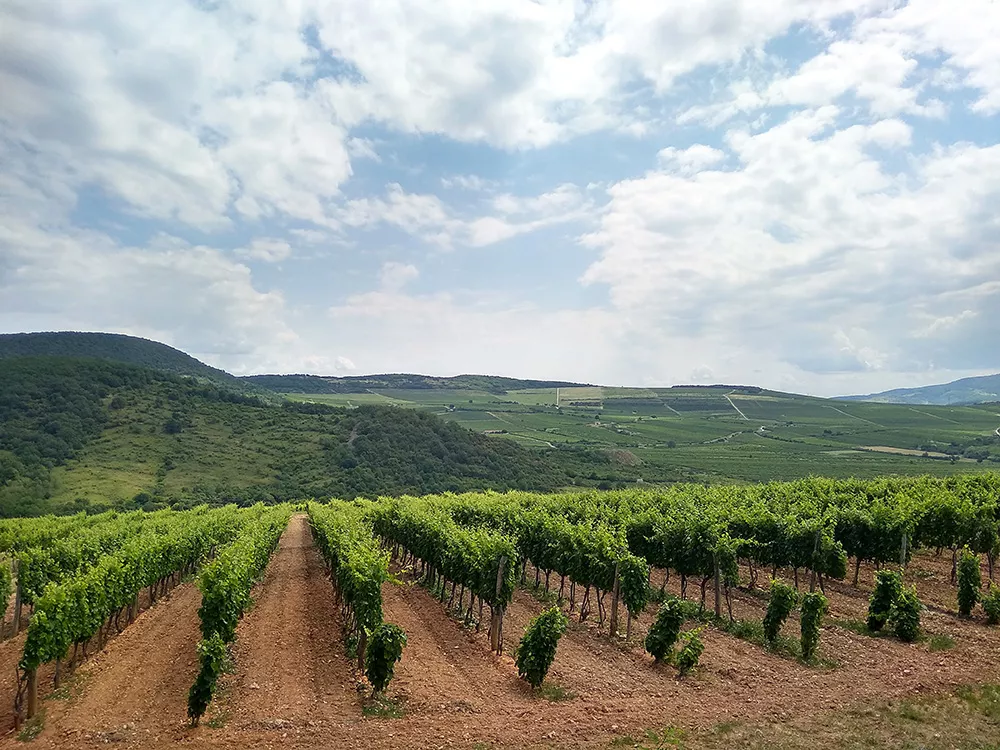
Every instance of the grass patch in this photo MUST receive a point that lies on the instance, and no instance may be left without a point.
(383, 707)
(653, 739)
(32, 727)
(753, 631)
(937, 642)
(856, 626)
(725, 727)
(71, 686)
(64, 693)
(910, 712)
(549, 597)
(553, 692)
(984, 699)
(940, 642)
(966, 719)
(218, 721)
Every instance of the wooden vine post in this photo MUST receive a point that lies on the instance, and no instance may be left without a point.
(32, 676)
(17, 598)
(362, 647)
(615, 593)
(812, 578)
(718, 585)
(902, 552)
(496, 623)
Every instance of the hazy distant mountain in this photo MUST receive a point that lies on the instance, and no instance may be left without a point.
(965, 391)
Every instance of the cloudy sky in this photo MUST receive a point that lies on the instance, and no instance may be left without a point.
(801, 194)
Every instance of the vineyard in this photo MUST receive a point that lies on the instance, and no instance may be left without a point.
(497, 619)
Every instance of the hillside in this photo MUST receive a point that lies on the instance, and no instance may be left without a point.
(88, 433)
(112, 347)
(85, 434)
(979, 390)
(365, 383)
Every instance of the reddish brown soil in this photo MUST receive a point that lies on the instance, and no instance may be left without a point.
(294, 686)
(291, 670)
(135, 690)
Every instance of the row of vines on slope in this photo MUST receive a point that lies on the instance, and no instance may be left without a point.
(92, 602)
(358, 566)
(591, 556)
(811, 525)
(225, 585)
(38, 551)
(481, 561)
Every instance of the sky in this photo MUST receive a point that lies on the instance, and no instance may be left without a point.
(797, 194)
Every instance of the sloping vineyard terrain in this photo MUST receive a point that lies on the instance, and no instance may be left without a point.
(276, 626)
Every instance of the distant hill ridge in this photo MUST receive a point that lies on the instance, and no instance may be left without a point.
(978, 390)
(113, 347)
(401, 381)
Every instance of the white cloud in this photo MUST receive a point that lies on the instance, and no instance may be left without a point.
(445, 334)
(363, 148)
(517, 73)
(266, 249)
(394, 276)
(884, 63)
(470, 182)
(811, 252)
(965, 33)
(692, 159)
(427, 216)
(178, 110)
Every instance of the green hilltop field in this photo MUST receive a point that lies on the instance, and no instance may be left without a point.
(717, 433)
(88, 423)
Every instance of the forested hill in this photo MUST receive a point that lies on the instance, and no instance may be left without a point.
(361, 384)
(113, 347)
(84, 434)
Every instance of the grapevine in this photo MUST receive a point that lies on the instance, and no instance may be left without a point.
(537, 649)
(779, 606)
(888, 585)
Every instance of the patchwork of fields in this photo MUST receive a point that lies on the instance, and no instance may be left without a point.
(719, 434)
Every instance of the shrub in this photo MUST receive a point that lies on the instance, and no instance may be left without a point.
(888, 585)
(970, 581)
(212, 658)
(991, 605)
(689, 655)
(779, 606)
(905, 615)
(538, 646)
(814, 606)
(663, 633)
(385, 648)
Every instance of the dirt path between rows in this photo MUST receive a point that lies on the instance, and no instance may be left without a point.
(443, 670)
(291, 670)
